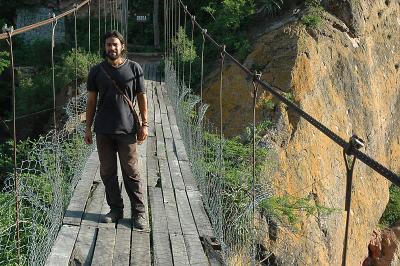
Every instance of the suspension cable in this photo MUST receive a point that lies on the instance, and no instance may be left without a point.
(76, 74)
(53, 26)
(105, 16)
(202, 66)
(376, 166)
(99, 17)
(9, 32)
(191, 53)
(184, 45)
(44, 22)
(220, 109)
(89, 22)
(255, 88)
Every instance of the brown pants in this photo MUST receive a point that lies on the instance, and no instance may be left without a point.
(108, 145)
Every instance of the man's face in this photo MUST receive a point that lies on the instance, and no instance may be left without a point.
(113, 48)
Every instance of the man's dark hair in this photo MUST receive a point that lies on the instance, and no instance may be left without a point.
(114, 34)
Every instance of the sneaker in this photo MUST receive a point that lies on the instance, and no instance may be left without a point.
(139, 221)
(112, 217)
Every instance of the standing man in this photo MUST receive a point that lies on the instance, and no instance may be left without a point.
(113, 81)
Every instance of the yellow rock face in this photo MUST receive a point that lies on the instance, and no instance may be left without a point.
(350, 81)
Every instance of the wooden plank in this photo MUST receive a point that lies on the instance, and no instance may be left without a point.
(140, 248)
(91, 217)
(152, 162)
(174, 168)
(166, 127)
(76, 207)
(122, 244)
(161, 245)
(150, 113)
(171, 115)
(195, 250)
(126, 222)
(179, 252)
(187, 175)
(160, 142)
(157, 113)
(104, 210)
(174, 226)
(62, 249)
(163, 108)
(143, 180)
(104, 250)
(175, 132)
(84, 246)
(162, 249)
(203, 223)
(180, 150)
(165, 174)
(153, 173)
(141, 149)
(158, 215)
(185, 214)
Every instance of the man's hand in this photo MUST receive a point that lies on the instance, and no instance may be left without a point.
(88, 137)
(142, 134)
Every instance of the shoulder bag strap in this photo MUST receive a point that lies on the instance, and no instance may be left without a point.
(119, 90)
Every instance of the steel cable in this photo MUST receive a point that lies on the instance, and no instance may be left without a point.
(76, 70)
(89, 23)
(44, 22)
(376, 166)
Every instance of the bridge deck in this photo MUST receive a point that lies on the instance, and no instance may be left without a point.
(178, 221)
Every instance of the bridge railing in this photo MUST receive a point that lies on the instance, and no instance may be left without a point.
(243, 222)
(46, 169)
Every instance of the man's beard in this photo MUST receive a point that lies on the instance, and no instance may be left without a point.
(113, 56)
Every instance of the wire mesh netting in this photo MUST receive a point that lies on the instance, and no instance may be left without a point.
(48, 171)
(246, 224)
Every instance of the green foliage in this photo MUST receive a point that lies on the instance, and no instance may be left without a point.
(287, 209)
(82, 59)
(184, 46)
(313, 17)
(4, 60)
(268, 104)
(391, 215)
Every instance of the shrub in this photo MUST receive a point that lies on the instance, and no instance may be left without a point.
(391, 215)
(4, 60)
(313, 17)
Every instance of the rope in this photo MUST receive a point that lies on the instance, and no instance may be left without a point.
(220, 106)
(99, 17)
(255, 88)
(9, 32)
(178, 62)
(89, 22)
(76, 71)
(54, 24)
(105, 16)
(202, 66)
(191, 51)
(184, 47)
(376, 166)
(44, 22)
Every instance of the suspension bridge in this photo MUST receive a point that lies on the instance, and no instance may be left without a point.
(54, 198)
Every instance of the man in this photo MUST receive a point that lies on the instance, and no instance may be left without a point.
(115, 126)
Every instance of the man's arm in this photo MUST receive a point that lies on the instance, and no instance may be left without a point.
(142, 102)
(90, 111)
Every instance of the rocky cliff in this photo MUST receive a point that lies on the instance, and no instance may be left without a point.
(345, 73)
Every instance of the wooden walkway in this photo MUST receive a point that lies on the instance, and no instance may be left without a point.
(178, 222)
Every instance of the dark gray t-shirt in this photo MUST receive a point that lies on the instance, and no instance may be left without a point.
(113, 115)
